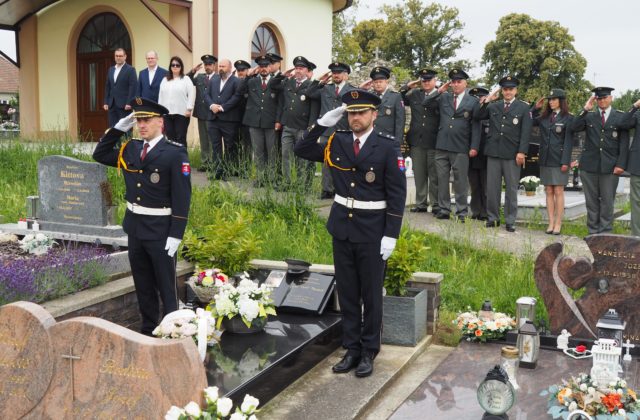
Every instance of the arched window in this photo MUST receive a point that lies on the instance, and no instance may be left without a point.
(104, 32)
(264, 41)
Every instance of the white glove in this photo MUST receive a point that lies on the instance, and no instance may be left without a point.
(125, 124)
(172, 246)
(387, 246)
(331, 118)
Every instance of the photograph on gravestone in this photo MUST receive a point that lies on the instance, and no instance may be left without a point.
(611, 281)
(306, 293)
(102, 370)
(26, 365)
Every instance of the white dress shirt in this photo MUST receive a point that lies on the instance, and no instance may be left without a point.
(178, 95)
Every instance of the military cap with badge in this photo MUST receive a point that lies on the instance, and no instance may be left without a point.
(478, 91)
(509, 82)
(380, 73)
(241, 65)
(602, 91)
(427, 74)
(146, 108)
(274, 57)
(300, 61)
(209, 59)
(557, 94)
(263, 60)
(458, 74)
(339, 67)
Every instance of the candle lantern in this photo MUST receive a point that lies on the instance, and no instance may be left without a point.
(528, 345)
(611, 326)
(525, 310)
(487, 310)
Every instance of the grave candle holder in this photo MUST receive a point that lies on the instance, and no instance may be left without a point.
(525, 310)
(528, 345)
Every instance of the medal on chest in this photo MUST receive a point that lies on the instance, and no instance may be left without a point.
(370, 176)
(154, 177)
(515, 121)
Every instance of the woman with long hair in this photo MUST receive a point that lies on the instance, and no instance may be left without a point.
(178, 95)
(556, 142)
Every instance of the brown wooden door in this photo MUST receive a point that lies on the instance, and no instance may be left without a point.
(92, 75)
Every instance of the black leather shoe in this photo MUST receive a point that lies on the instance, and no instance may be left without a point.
(492, 223)
(347, 363)
(442, 216)
(435, 211)
(419, 210)
(365, 367)
(510, 228)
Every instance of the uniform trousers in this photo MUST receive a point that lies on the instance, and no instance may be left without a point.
(223, 136)
(175, 128)
(359, 272)
(154, 272)
(496, 170)
(599, 194)
(635, 205)
(205, 143)
(426, 177)
(263, 142)
(327, 181)
(459, 163)
(478, 186)
(303, 168)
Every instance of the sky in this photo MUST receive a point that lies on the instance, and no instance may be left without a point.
(608, 39)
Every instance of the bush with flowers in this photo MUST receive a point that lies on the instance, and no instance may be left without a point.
(247, 300)
(217, 408)
(476, 328)
(614, 400)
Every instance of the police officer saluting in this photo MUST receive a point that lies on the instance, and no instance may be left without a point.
(391, 113)
(158, 193)
(365, 219)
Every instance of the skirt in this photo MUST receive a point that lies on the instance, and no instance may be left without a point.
(552, 175)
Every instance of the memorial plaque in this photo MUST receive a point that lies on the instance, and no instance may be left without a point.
(26, 365)
(307, 293)
(611, 281)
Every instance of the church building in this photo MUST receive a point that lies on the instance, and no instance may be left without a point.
(65, 47)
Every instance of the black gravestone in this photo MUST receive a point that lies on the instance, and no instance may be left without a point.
(304, 293)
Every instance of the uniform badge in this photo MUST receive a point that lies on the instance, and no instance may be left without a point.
(355, 94)
(387, 111)
(558, 129)
(466, 114)
(370, 177)
(486, 130)
(302, 97)
(139, 101)
(186, 169)
(515, 121)
(155, 177)
(401, 164)
(614, 134)
(273, 95)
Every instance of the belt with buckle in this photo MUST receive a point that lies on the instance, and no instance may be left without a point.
(148, 211)
(351, 203)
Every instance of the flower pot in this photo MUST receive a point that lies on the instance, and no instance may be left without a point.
(404, 318)
(204, 295)
(236, 326)
(530, 193)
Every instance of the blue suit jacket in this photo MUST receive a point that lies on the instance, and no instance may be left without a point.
(150, 91)
(229, 98)
(123, 91)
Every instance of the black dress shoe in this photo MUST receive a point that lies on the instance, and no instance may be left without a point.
(442, 216)
(365, 367)
(347, 363)
(419, 210)
(510, 228)
(435, 211)
(492, 223)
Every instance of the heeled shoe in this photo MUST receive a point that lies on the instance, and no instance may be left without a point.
(549, 231)
(556, 232)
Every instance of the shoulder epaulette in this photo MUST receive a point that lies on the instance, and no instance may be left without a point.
(344, 131)
(386, 136)
(622, 112)
(175, 143)
(524, 102)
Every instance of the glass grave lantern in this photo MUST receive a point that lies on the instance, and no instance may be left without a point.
(528, 345)
(611, 326)
(525, 310)
(487, 310)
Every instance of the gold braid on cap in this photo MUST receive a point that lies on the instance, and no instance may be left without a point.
(121, 163)
(146, 114)
(327, 156)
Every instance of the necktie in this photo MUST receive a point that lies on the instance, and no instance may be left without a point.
(455, 102)
(356, 147)
(337, 90)
(207, 79)
(506, 106)
(553, 117)
(264, 83)
(603, 120)
(145, 148)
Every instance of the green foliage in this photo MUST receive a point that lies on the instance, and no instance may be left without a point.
(228, 243)
(368, 35)
(541, 55)
(345, 47)
(625, 100)
(405, 260)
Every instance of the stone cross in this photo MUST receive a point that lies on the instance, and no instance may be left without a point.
(628, 345)
(71, 358)
(377, 52)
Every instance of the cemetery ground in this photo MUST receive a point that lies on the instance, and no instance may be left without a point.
(477, 263)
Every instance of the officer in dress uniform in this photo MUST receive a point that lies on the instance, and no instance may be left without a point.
(244, 138)
(421, 138)
(478, 167)
(200, 108)
(365, 219)
(391, 113)
(604, 156)
(157, 178)
(509, 131)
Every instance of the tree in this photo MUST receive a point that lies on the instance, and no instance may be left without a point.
(417, 36)
(345, 47)
(369, 36)
(541, 55)
(624, 101)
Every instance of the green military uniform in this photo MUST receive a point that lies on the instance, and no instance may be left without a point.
(201, 110)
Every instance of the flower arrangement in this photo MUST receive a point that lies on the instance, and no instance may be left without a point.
(476, 328)
(248, 300)
(37, 244)
(612, 400)
(9, 125)
(217, 408)
(530, 182)
(209, 278)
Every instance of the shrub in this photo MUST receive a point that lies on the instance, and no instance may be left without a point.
(407, 257)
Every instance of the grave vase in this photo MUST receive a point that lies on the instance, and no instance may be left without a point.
(530, 193)
(236, 326)
(112, 213)
(404, 318)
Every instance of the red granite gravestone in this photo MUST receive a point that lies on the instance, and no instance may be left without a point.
(611, 281)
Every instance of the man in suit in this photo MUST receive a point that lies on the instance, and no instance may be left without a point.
(365, 219)
(330, 97)
(295, 116)
(478, 167)
(458, 139)
(391, 113)
(260, 116)
(223, 97)
(604, 156)
(200, 108)
(120, 88)
(158, 193)
(423, 131)
(244, 137)
(149, 79)
(508, 141)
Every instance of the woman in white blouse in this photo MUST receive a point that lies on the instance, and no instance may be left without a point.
(178, 95)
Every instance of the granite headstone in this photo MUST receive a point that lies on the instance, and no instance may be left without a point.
(611, 281)
(307, 293)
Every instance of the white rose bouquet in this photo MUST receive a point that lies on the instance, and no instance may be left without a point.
(247, 300)
(217, 408)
